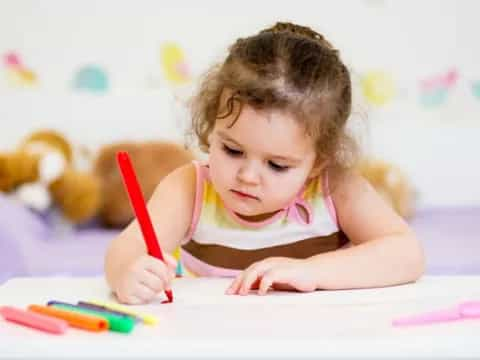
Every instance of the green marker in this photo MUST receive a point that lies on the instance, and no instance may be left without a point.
(123, 324)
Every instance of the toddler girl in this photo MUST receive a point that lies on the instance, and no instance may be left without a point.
(277, 205)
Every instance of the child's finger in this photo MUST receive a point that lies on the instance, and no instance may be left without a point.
(266, 282)
(256, 283)
(130, 299)
(256, 270)
(157, 267)
(170, 261)
(153, 281)
(144, 293)
(233, 288)
(171, 275)
(250, 277)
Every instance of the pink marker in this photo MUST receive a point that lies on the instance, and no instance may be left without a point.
(465, 310)
(34, 320)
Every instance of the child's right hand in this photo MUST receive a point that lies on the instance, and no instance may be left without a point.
(145, 278)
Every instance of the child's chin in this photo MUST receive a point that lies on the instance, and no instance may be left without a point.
(243, 209)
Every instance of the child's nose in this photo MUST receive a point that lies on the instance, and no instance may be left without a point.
(248, 174)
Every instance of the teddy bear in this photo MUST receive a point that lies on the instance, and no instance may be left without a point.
(391, 183)
(40, 172)
(152, 160)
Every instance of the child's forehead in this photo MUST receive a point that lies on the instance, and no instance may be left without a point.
(274, 131)
(272, 120)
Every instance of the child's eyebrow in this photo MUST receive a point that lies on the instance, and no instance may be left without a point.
(290, 160)
(228, 138)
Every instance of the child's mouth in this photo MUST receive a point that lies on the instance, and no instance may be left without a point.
(243, 195)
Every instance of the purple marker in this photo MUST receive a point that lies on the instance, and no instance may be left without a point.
(106, 310)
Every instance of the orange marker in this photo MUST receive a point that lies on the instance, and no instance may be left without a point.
(82, 321)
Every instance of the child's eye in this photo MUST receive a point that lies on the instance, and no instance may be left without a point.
(232, 152)
(276, 167)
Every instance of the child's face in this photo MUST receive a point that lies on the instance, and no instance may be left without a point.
(260, 163)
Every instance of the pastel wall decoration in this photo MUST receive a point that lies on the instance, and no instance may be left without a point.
(91, 78)
(476, 89)
(378, 87)
(17, 74)
(174, 64)
(434, 90)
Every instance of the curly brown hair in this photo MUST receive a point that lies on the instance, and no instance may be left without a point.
(285, 67)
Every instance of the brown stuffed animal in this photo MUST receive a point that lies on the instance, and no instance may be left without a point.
(40, 173)
(151, 161)
(391, 183)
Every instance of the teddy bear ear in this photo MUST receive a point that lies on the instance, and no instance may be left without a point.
(54, 139)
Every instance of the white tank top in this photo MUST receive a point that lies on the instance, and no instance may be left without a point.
(220, 243)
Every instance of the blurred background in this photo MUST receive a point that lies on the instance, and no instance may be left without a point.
(103, 72)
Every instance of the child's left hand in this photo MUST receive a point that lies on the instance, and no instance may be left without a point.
(277, 272)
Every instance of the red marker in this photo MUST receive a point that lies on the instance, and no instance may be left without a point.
(140, 208)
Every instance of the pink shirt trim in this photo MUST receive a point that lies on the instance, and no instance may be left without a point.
(201, 268)
(197, 207)
(329, 200)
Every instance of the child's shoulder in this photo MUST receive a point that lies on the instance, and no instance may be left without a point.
(349, 186)
(184, 176)
(180, 181)
(175, 194)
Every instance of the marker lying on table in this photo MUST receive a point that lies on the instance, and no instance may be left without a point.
(140, 209)
(118, 323)
(82, 321)
(34, 320)
(92, 306)
(147, 319)
(462, 311)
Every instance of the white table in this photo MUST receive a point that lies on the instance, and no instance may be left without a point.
(203, 322)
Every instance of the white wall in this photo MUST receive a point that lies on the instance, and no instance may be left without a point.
(410, 40)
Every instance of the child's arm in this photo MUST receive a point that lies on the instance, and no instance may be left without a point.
(133, 275)
(386, 252)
